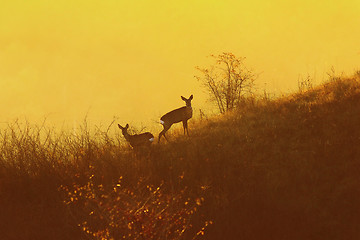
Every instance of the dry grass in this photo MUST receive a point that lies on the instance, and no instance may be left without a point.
(275, 169)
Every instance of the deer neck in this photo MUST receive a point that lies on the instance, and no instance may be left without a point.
(127, 136)
(189, 111)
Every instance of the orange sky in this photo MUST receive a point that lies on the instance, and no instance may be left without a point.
(133, 59)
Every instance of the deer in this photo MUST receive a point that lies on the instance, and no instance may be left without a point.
(182, 114)
(137, 140)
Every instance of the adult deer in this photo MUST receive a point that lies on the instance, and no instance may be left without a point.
(137, 140)
(182, 114)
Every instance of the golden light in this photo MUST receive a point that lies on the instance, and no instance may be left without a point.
(133, 60)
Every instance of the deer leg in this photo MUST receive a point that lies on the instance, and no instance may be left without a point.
(166, 137)
(185, 127)
(162, 133)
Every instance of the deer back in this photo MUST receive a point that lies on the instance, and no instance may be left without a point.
(141, 139)
(177, 115)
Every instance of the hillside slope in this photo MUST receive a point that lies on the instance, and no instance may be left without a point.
(288, 168)
(275, 169)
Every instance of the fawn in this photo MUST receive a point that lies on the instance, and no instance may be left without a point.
(137, 140)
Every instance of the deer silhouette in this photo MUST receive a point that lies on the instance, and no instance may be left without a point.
(182, 114)
(137, 140)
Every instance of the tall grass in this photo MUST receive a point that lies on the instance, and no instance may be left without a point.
(88, 184)
(273, 169)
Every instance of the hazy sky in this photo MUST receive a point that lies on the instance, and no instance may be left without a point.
(133, 59)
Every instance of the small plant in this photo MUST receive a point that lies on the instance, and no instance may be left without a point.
(305, 83)
(333, 76)
(357, 73)
(228, 81)
(139, 212)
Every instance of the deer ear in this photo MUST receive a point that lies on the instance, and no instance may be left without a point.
(127, 126)
(183, 98)
(191, 97)
(120, 126)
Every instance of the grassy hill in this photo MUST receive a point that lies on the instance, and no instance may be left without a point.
(274, 169)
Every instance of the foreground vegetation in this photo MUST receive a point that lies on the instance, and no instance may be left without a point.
(274, 169)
